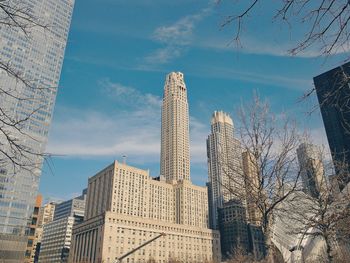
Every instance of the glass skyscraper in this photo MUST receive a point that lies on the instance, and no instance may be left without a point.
(333, 92)
(36, 55)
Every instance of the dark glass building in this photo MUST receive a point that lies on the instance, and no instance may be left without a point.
(257, 244)
(233, 229)
(333, 92)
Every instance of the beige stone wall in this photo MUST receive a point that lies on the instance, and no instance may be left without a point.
(191, 205)
(99, 194)
(87, 241)
(137, 207)
(131, 191)
(162, 201)
(117, 234)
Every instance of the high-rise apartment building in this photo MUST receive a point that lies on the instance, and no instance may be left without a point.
(46, 213)
(32, 229)
(224, 164)
(45, 216)
(333, 92)
(311, 169)
(126, 207)
(38, 58)
(252, 188)
(57, 235)
(175, 149)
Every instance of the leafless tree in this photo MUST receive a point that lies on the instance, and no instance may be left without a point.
(17, 17)
(323, 218)
(239, 255)
(327, 28)
(327, 22)
(269, 166)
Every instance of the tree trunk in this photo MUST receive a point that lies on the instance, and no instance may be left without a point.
(328, 250)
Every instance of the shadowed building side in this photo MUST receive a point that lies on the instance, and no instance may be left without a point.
(333, 92)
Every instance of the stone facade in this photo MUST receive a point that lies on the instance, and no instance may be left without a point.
(128, 198)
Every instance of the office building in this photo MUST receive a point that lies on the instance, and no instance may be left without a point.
(332, 88)
(72, 207)
(311, 169)
(127, 207)
(57, 235)
(32, 229)
(225, 172)
(233, 229)
(38, 58)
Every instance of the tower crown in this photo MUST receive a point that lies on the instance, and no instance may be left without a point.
(175, 85)
(220, 116)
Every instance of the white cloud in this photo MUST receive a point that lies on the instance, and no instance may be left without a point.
(134, 132)
(164, 55)
(181, 32)
(175, 38)
(130, 96)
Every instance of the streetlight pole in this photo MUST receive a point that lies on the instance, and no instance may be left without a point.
(119, 260)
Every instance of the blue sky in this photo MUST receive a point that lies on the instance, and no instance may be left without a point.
(117, 56)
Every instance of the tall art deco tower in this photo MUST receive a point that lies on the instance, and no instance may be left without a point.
(125, 206)
(175, 149)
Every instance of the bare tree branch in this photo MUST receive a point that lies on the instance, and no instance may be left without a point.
(15, 137)
(327, 22)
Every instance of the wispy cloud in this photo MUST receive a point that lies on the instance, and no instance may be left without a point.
(274, 80)
(134, 132)
(164, 55)
(267, 46)
(175, 38)
(130, 95)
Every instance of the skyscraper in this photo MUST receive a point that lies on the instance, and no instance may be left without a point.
(126, 207)
(333, 92)
(38, 58)
(224, 164)
(252, 187)
(175, 149)
(311, 169)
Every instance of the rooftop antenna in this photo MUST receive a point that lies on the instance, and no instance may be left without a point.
(124, 158)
